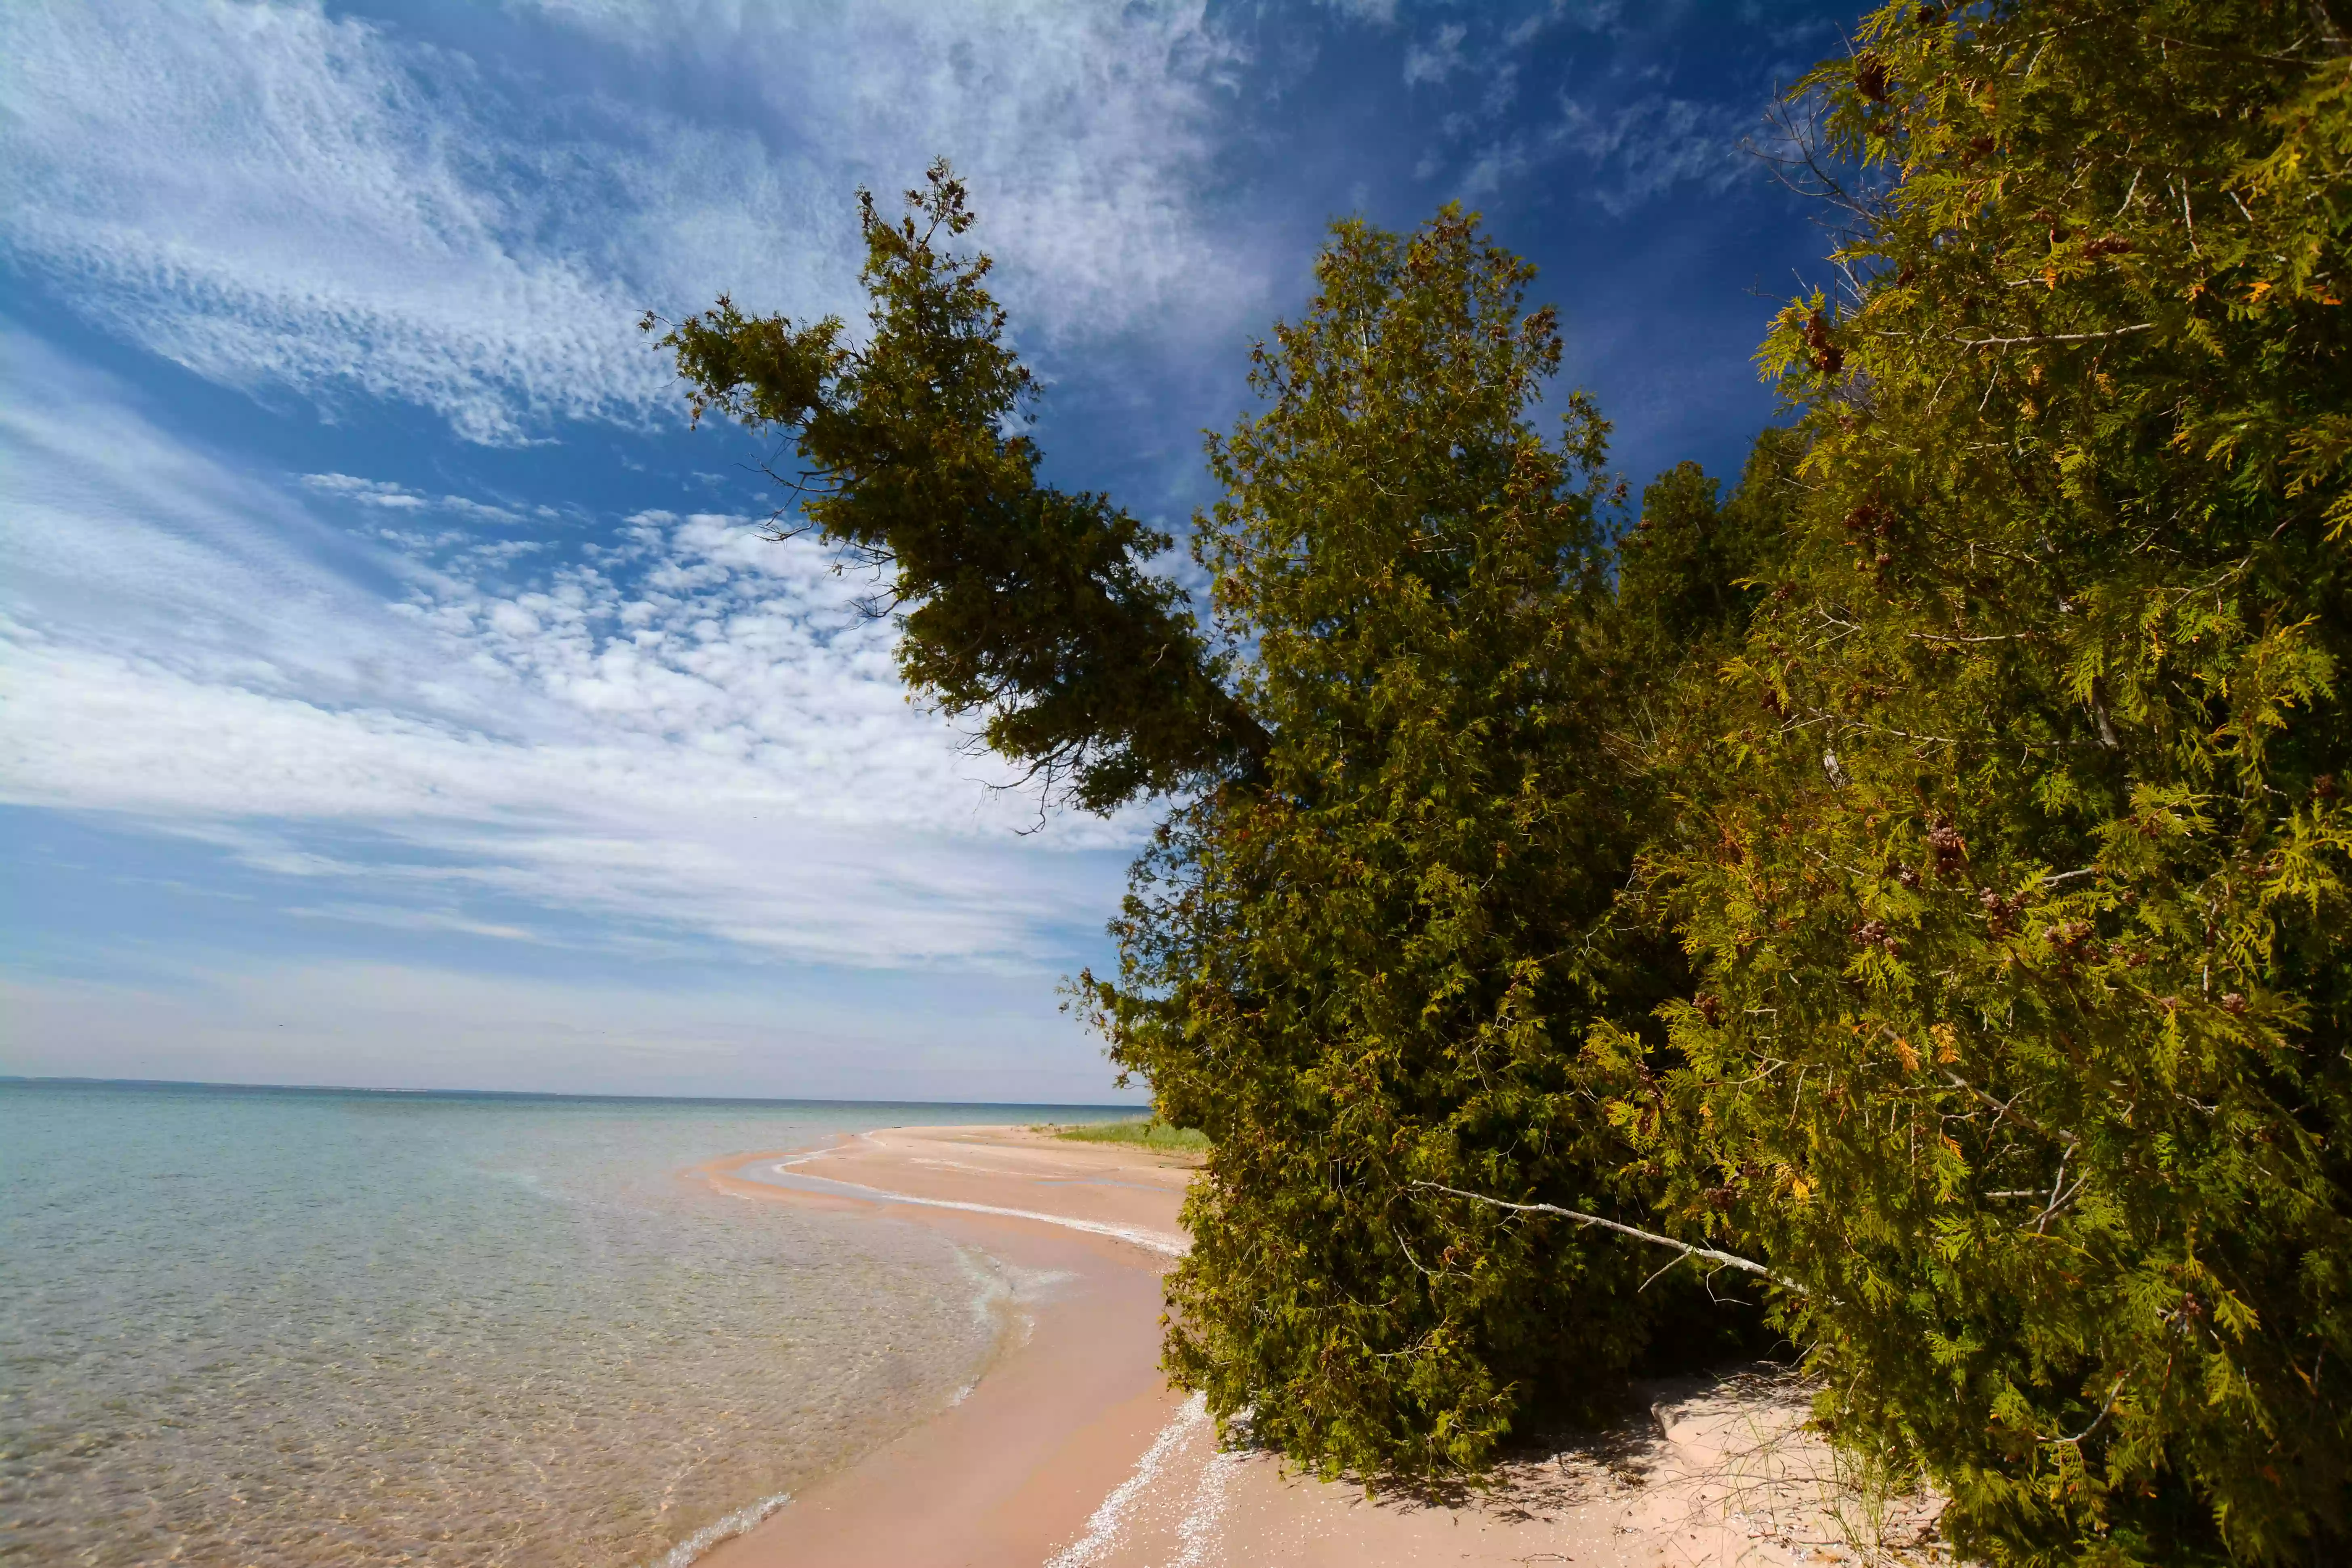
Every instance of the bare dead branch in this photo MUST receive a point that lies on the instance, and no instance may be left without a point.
(1728, 1259)
(2053, 337)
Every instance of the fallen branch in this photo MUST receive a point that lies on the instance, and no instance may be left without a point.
(1684, 1248)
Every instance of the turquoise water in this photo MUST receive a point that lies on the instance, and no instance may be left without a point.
(243, 1326)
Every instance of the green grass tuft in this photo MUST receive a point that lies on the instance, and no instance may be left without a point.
(1147, 1134)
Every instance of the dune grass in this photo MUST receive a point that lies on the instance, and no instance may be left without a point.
(1144, 1133)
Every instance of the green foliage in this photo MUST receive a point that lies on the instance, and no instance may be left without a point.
(1019, 602)
(1151, 1134)
(1686, 575)
(1689, 576)
(2016, 868)
(1372, 970)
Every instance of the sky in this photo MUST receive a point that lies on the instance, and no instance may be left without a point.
(395, 692)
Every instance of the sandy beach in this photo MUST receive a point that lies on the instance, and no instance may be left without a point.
(1071, 1452)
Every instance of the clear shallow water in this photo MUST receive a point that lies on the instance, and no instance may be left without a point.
(309, 1327)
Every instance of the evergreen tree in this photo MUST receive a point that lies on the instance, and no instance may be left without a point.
(1372, 970)
(1028, 605)
(2017, 877)
(1688, 574)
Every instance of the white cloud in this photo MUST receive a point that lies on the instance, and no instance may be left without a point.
(396, 917)
(1645, 148)
(1582, 16)
(121, 541)
(1439, 57)
(400, 497)
(267, 194)
(271, 195)
(1636, 151)
(368, 492)
(1638, 145)
(691, 731)
(1085, 132)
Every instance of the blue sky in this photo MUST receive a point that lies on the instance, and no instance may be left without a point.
(396, 693)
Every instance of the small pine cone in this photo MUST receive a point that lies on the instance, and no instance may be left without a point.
(2000, 913)
(2067, 934)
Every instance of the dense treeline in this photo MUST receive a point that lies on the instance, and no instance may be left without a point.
(1904, 901)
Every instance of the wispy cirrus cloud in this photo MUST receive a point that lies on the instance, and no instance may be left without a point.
(1614, 123)
(1437, 57)
(368, 492)
(271, 196)
(1088, 133)
(1642, 149)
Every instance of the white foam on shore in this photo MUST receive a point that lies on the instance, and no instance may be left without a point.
(1108, 1522)
(1198, 1529)
(710, 1535)
(1152, 1240)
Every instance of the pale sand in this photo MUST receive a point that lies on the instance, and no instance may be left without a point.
(1070, 1452)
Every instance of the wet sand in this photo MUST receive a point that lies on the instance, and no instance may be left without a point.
(1070, 1452)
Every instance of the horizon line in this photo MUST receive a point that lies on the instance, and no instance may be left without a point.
(218, 1085)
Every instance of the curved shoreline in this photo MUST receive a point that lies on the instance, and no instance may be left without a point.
(1014, 1473)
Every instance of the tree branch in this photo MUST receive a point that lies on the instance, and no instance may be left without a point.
(2100, 1419)
(2006, 1110)
(1684, 1248)
(2049, 338)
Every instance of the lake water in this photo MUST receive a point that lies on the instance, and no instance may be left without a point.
(264, 1327)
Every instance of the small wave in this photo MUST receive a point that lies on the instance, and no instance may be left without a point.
(993, 1295)
(710, 1535)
